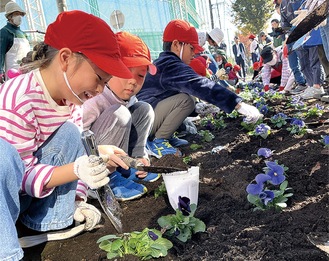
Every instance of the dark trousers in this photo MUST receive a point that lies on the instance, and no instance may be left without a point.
(240, 61)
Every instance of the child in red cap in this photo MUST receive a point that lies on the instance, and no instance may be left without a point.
(42, 156)
(118, 118)
(170, 91)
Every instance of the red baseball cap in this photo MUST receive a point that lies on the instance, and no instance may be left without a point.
(236, 67)
(228, 65)
(198, 67)
(252, 36)
(89, 35)
(134, 52)
(182, 31)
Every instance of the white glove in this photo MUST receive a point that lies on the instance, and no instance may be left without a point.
(91, 170)
(221, 74)
(190, 127)
(251, 112)
(301, 14)
(88, 213)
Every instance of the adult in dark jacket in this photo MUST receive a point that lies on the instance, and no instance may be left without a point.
(170, 91)
(14, 44)
(239, 52)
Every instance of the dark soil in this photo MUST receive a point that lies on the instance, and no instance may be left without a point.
(234, 230)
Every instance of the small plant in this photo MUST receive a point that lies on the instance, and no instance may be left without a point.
(315, 111)
(325, 140)
(265, 152)
(182, 224)
(297, 103)
(297, 126)
(279, 120)
(195, 146)
(270, 190)
(212, 123)
(206, 135)
(262, 130)
(187, 159)
(146, 244)
(233, 115)
(160, 190)
(250, 126)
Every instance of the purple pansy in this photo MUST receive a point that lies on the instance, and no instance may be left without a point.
(265, 152)
(276, 172)
(255, 189)
(152, 235)
(266, 196)
(184, 205)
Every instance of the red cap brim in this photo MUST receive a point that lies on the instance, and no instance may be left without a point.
(111, 65)
(197, 48)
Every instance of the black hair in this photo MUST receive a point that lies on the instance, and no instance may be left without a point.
(166, 46)
(275, 20)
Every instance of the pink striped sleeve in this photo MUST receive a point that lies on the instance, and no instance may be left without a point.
(82, 190)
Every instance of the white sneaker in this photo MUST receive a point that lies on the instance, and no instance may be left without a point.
(311, 92)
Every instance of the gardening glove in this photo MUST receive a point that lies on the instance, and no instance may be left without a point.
(251, 112)
(221, 74)
(301, 14)
(92, 170)
(266, 88)
(190, 127)
(88, 213)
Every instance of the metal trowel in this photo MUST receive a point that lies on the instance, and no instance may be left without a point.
(105, 196)
(134, 163)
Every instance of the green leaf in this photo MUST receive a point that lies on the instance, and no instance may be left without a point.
(284, 185)
(252, 198)
(106, 246)
(165, 222)
(116, 244)
(106, 238)
(281, 205)
(288, 195)
(200, 226)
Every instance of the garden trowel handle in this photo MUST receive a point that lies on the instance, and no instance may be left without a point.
(131, 162)
(104, 195)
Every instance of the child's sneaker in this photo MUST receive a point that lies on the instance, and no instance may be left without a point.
(160, 147)
(130, 174)
(124, 189)
(176, 142)
(312, 92)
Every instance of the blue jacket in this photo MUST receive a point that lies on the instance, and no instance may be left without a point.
(174, 76)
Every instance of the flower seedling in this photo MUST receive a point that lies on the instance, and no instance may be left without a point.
(187, 159)
(279, 120)
(206, 135)
(160, 190)
(297, 126)
(262, 130)
(182, 224)
(297, 103)
(212, 123)
(195, 146)
(265, 152)
(250, 126)
(315, 111)
(146, 244)
(270, 190)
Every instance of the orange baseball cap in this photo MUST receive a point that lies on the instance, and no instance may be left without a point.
(182, 31)
(134, 52)
(87, 34)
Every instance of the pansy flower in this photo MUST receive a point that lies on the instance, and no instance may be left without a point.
(266, 196)
(276, 172)
(152, 235)
(184, 205)
(255, 189)
(265, 152)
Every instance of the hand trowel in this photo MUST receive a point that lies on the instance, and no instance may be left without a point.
(105, 196)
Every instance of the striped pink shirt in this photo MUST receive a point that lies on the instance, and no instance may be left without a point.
(28, 117)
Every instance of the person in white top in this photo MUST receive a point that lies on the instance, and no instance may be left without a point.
(254, 48)
(14, 44)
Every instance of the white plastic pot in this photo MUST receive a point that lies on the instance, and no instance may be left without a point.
(184, 184)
